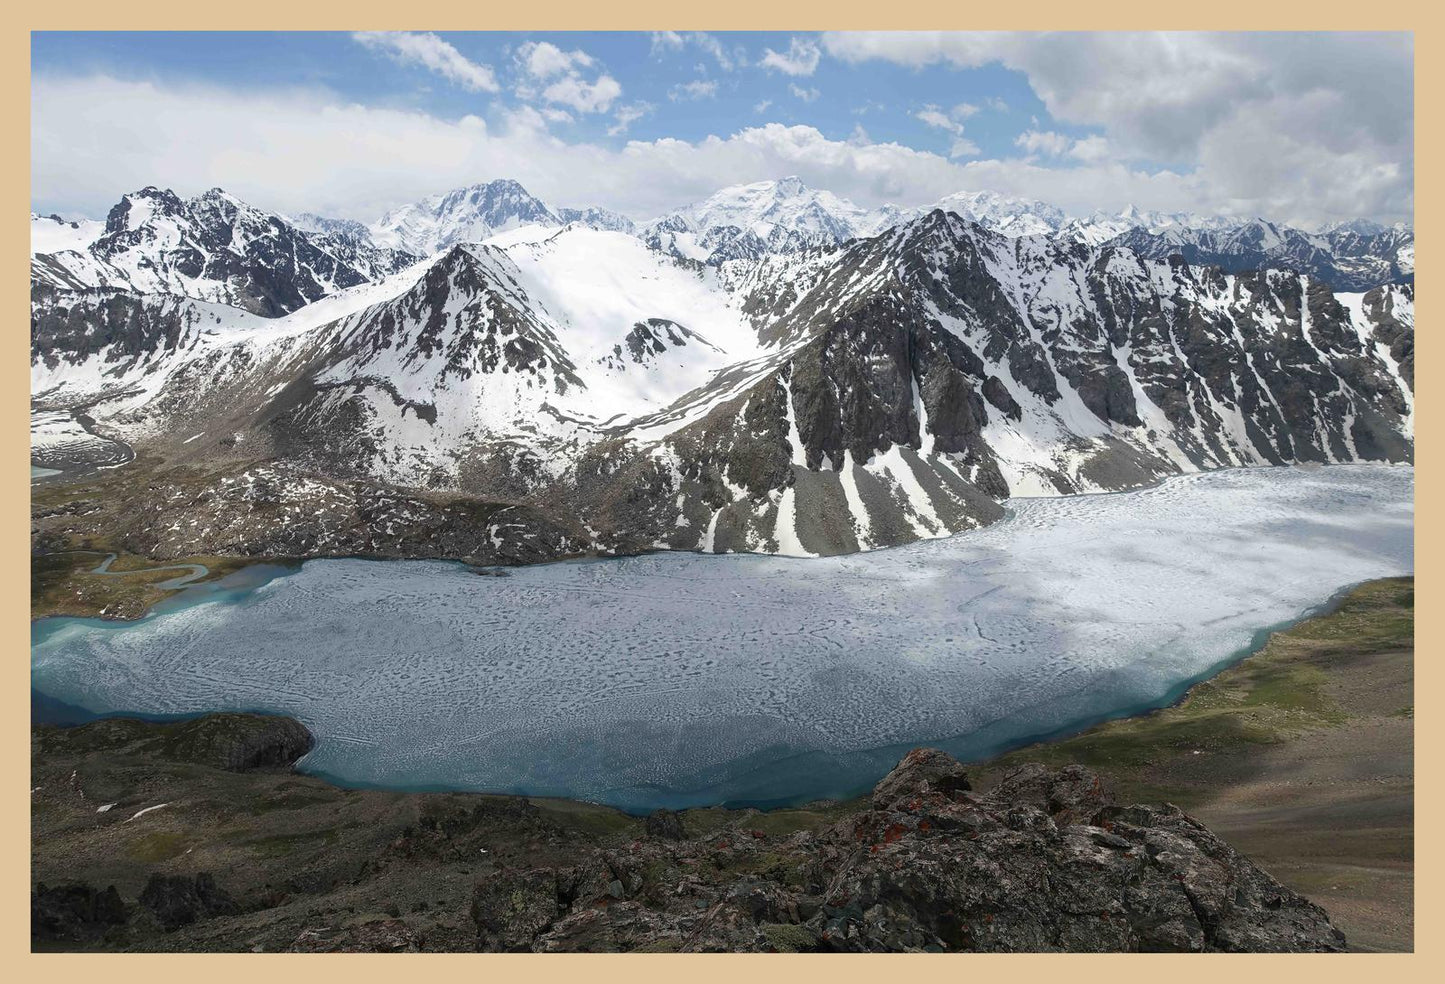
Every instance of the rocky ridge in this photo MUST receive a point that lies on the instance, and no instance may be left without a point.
(1043, 860)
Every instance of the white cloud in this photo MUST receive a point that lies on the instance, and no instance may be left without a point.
(432, 53)
(1091, 149)
(559, 73)
(543, 60)
(801, 58)
(675, 41)
(807, 95)
(280, 148)
(628, 115)
(697, 89)
(1044, 142)
(935, 117)
(585, 97)
(1302, 126)
(762, 105)
(963, 147)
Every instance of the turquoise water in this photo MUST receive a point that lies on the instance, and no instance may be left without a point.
(683, 679)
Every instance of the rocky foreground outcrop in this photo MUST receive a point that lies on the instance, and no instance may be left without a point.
(243, 854)
(1044, 861)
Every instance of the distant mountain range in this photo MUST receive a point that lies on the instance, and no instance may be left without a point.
(483, 376)
(749, 221)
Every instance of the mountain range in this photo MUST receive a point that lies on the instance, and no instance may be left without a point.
(483, 376)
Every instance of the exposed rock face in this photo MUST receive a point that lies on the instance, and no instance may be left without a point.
(74, 912)
(1044, 861)
(216, 248)
(239, 742)
(665, 824)
(223, 740)
(923, 771)
(179, 900)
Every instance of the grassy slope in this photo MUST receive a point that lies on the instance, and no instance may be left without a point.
(1300, 756)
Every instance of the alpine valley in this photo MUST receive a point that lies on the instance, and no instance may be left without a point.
(483, 376)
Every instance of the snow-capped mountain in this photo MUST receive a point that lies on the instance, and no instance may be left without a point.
(311, 222)
(53, 234)
(1003, 214)
(1100, 227)
(575, 390)
(1343, 258)
(1370, 253)
(746, 221)
(216, 248)
(598, 218)
(466, 215)
(480, 212)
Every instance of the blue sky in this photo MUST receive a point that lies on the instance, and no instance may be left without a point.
(356, 123)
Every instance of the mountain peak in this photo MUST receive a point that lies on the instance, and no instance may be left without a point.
(789, 187)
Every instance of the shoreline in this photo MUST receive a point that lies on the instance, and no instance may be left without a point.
(1330, 839)
(1301, 756)
(60, 713)
(500, 569)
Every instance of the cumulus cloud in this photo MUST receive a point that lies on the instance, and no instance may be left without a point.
(585, 97)
(280, 148)
(1044, 142)
(542, 59)
(801, 58)
(428, 51)
(952, 123)
(1094, 148)
(548, 74)
(1305, 126)
(963, 147)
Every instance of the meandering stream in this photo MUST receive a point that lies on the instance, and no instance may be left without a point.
(194, 572)
(684, 679)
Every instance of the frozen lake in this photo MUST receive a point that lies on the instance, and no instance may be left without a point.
(684, 679)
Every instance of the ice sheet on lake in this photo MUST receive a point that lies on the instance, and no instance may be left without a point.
(676, 679)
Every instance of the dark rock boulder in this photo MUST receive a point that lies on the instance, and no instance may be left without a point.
(665, 824)
(179, 900)
(511, 910)
(923, 772)
(1072, 794)
(74, 912)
